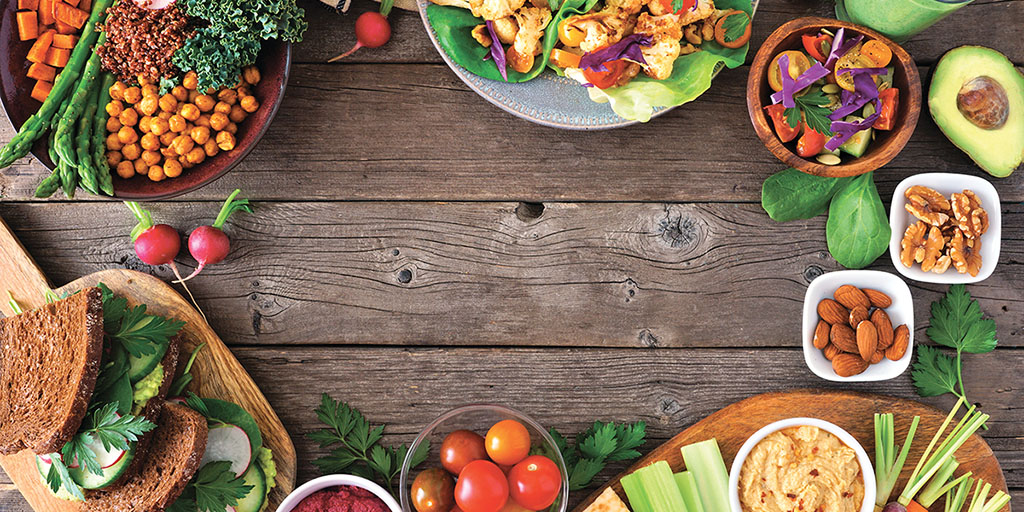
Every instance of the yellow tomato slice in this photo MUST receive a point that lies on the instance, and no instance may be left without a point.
(570, 35)
(564, 59)
(798, 63)
(878, 52)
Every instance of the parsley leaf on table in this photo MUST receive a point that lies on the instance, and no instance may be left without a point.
(815, 114)
(357, 449)
(957, 322)
(934, 373)
(600, 444)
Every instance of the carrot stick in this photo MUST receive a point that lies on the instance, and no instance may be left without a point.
(41, 47)
(915, 507)
(28, 25)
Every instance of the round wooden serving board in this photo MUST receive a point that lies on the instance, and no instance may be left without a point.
(854, 412)
(217, 373)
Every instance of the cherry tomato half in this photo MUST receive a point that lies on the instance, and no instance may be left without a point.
(460, 448)
(512, 506)
(798, 63)
(507, 442)
(607, 79)
(481, 487)
(534, 483)
(433, 490)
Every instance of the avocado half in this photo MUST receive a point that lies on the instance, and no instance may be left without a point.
(976, 97)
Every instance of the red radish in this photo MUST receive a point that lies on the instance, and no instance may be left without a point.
(228, 443)
(156, 244)
(208, 244)
(372, 31)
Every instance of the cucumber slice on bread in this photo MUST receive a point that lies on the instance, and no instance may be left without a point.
(253, 501)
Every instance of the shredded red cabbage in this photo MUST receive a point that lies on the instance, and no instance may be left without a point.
(497, 51)
(863, 71)
(843, 130)
(803, 81)
(840, 47)
(865, 90)
(628, 48)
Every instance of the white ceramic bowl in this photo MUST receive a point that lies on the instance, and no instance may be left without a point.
(866, 469)
(326, 481)
(946, 184)
(900, 312)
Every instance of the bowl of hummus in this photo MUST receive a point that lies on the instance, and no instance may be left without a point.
(802, 464)
(344, 493)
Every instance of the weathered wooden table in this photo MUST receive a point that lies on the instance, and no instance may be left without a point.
(415, 248)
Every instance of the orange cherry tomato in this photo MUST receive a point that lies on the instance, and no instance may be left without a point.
(570, 35)
(507, 443)
(877, 52)
(564, 59)
(798, 63)
(460, 448)
(433, 490)
(606, 79)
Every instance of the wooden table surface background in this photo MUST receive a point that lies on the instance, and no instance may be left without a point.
(415, 249)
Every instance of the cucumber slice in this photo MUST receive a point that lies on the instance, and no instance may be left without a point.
(139, 367)
(43, 465)
(116, 464)
(857, 145)
(253, 501)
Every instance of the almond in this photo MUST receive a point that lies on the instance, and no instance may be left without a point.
(831, 351)
(867, 339)
(821, 333)
(900, 343)
(858, 315)
(848, 365)
(843, 337)
(877, 298)
(833, 312)
(878, 356)
(884, 326)
(851, 297)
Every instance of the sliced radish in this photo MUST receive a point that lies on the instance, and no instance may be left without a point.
(46, 459)
(105, 458)
(177, 400)
(154, 4)
(228, 443)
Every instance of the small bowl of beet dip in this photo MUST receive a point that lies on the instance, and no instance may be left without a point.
(339, 493)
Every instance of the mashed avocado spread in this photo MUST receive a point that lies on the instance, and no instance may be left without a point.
(147, 388)
(265, 460)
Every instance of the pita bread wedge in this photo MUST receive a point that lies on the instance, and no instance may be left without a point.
(608, 501)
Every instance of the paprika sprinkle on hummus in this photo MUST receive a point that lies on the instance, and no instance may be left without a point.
(801, 468)
(343, 498)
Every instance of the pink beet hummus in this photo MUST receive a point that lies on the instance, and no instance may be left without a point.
(343, 498)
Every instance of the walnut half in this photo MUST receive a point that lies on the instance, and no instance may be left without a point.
(927, 204)
(922, 244)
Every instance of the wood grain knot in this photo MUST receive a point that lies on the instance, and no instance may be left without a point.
(528, 212)
(812, 272)
(678, 230)
(404, 276)
(648, 339)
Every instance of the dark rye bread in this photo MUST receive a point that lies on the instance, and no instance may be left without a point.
(49, 359)
(172, 460)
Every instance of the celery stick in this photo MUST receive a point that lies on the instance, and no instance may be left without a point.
(638, 500)
(938, 484)
(955, 499)
(653, 489)
(688, 488)
(704, 461)
(981, 502)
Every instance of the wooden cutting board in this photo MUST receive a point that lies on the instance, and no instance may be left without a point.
(217, 373)
(854, 412)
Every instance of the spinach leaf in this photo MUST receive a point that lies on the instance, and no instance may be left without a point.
(857, 230)
(795, 195)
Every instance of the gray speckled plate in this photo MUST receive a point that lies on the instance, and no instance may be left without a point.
(549, 99)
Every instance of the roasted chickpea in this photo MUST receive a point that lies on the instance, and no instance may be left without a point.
(156, 173)
(177, 123)
(182, 144)
(200, 134)
(222, 108)
(172, 168)
(205, 103)
(158, 126)
(204, 120)
(114, 158)
(231, 128)
(114, 142)
(168, 152)
(129, 117)
(117, 90)
(142, 79)
(114, 108)
(168, 103)
(250, 104)
(140, 166)
(167, 138)
(237, 115)
(150, 142)
(219, 121)
(150, 90)
(190, 112)
(191, 81)
(145, 124)
(149, 105)
(151, 157)
(132, 95)
(225, 141)
(131, 151)
(165, 115)
(211, 148)
(192, 95)
(180, 93)
(127, 135)
(243, 92)
(251, 74)
(125, 169)
(229, 96)
(113, 124)
(196, 156)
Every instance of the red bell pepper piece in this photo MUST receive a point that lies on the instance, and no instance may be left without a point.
(810, 143)
(818, 46)
(887, 115)
(785, 132)
(687, 5)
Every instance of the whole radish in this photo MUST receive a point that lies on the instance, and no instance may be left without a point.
(208, 244)
(154, 244)
(372, 30)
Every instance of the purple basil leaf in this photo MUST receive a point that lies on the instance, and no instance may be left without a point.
(629, 48)
(840, 47)
(497, 52)
(803, 81)
(843, 130)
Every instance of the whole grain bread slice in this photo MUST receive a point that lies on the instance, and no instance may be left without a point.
(49, 360)
(172, 460)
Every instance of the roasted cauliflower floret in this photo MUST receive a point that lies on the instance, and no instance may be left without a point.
(602, 28)
(532, 21)
(665, 32)
(506, 28)
(494, 9)
(627, 6)
(704, 9)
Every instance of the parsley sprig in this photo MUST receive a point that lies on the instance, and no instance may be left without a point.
(110, 429)
(58, 477)
(815, 114)
(958, 323)
(600, 444)
(214, 488)
(139, 333)
(357, 447)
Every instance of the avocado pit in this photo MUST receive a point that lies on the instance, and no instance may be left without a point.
(983, 102)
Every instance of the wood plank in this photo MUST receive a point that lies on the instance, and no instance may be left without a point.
(624, 275)
(568, 388)
(397, 132)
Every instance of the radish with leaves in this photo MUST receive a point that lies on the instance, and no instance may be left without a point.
(372, 30)
(157, 244)
(208, 244)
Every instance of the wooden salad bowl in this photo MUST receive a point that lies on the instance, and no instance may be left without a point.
(887, 144)
(274, 62)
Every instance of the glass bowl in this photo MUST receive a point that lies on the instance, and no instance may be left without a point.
(479, 418)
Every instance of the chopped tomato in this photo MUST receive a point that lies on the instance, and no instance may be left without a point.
(564, 59)
(810, 143)
(877, 52)
(785, 132)
(798, 63)
(887, 115)
(607, 79)
(818, 46)
(687, 5)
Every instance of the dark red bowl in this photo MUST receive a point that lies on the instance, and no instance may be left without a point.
(274, 62)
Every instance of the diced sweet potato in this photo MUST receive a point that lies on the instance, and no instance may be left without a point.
(46, 12)
(57, 57)
(31, 5)
(73, 3)
(41, 90)
(43, 72)
(66, 41)
(41, 47)
(64, 28)
(70, 15)
(85, 5)
(28, 25)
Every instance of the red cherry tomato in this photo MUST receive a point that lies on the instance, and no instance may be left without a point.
(507, 442)
(687, 5)
(534, 483)
(433, 490)
(606, 79)
(460, 448)
(481, 487)
(512, 506)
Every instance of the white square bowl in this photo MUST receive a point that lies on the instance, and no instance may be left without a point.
(900, 312)
(946, 184)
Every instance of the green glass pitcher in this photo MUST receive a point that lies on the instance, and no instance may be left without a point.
(897, 19)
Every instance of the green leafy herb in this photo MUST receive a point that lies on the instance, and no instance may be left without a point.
(795, 195)
(15, 307)
(934, 373)
(110, 429)
(139, 333)
(356, 445)
(216, 487)
(182, 382)
(815, 114)
(58, 477)
(600, 444)
(735, 26)
(858, 229)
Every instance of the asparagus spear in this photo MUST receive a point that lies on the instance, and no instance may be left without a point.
(99, 140)
(65, 137)
(51, 183)
(83, 141)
